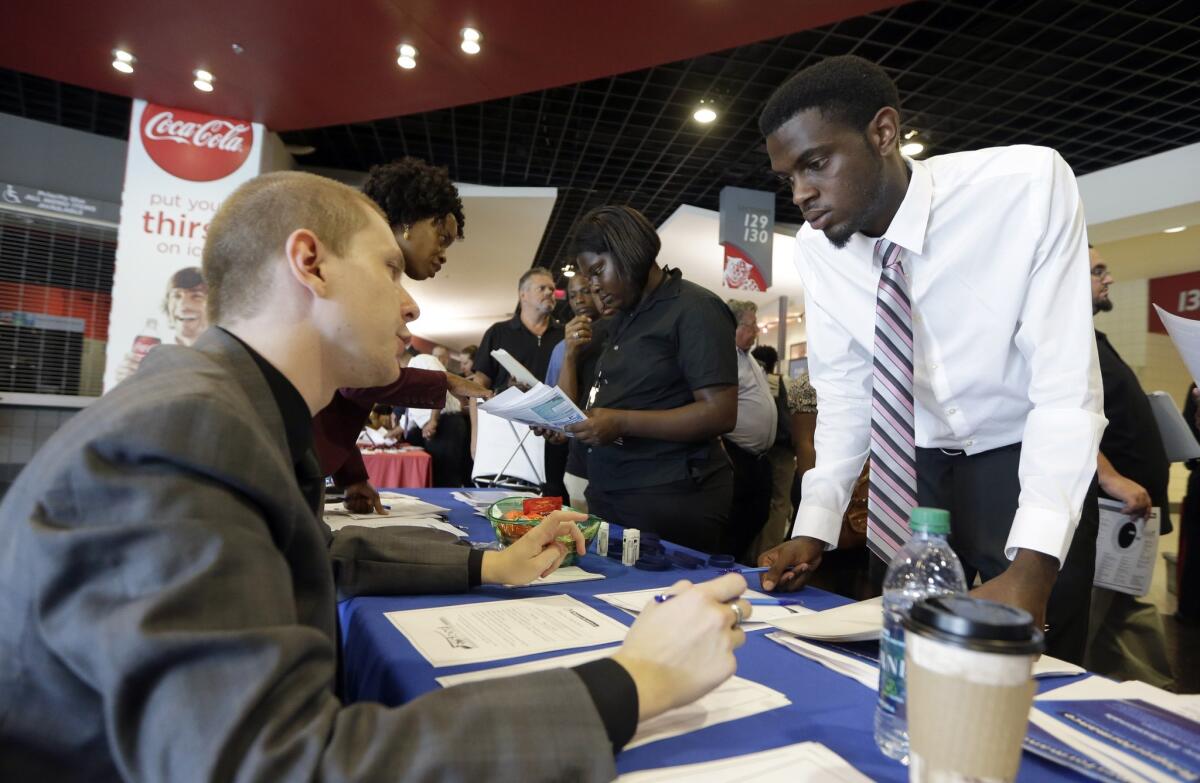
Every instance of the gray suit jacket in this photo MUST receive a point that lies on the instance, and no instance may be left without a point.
(167, 610)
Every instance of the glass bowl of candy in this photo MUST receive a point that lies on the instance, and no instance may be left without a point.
(512, 518)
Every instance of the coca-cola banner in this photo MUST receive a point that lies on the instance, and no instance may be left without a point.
(180, 166)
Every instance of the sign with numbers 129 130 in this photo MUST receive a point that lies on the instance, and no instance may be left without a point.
(746, 234)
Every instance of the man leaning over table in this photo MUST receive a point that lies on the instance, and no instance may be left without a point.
(950, 341)
(167, 594)
(425, 213)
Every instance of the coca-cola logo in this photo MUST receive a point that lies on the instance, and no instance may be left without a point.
(195, 146)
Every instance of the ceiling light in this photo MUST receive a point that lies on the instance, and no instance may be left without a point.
(204, 80)
(910, 134)
(704, 113)
(123, 61)
(408, 56)
(1174, 229)
(470, 40)
(912, 148)
(568, 271)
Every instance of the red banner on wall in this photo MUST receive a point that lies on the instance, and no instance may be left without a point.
(1178, 295)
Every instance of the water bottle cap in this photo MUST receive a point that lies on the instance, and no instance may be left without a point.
(929, 520)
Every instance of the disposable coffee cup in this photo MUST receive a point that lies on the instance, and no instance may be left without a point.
(968, 670)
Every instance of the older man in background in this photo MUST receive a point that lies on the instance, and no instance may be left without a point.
(749, 442)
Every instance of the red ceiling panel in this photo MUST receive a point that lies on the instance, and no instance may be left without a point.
(308, 63)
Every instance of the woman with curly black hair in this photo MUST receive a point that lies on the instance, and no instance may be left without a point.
(422, 207)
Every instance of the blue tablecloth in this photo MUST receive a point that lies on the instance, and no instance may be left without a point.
(381, 666)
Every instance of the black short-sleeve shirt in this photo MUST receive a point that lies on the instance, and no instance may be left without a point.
(1131, 441)
(526, 347)
(678, 340)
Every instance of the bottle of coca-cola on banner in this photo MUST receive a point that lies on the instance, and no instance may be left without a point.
(146, 339)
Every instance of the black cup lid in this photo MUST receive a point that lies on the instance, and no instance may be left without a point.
(976, 624)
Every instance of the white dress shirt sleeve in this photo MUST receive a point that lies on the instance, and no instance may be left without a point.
(1056, 336)
(841, 374)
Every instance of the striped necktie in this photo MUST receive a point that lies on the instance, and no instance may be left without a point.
(893, 484)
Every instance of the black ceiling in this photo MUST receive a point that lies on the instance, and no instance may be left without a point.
(1102, 81)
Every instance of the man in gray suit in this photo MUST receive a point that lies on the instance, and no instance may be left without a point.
(167, 593)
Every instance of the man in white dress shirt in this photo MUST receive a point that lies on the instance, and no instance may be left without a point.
(987, 284)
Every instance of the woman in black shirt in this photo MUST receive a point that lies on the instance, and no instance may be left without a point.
(665, 387)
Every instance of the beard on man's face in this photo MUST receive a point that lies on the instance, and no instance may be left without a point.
(873, 192)
(1101, 305)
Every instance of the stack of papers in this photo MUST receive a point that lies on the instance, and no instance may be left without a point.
(860, 660)
(850, 623)
(400, 511)
(483, 498)
(541, 406)
(858, 666)
(563, 575)
(1117, 731)
(761, 616)
(735, 698)
(337, 522)
(804, 762)
(492, 630)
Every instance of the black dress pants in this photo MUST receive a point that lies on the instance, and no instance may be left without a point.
(980, 491)
(690, 512)
(449, 448)
(751, 502)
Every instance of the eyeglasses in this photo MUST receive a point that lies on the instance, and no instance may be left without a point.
(1099, 271)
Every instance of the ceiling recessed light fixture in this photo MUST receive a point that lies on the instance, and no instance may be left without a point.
(910, 134)
(204, 80)
(123, 61)
(704, 113)
(1174, 229)
(407, 56)
(470, 40)
(912, 148)
(568, 271)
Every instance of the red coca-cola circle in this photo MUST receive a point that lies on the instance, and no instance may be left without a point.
(194, 146)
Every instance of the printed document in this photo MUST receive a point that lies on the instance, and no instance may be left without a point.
(733, 699)
(804, 762)
(493, 630)
(1126, 547)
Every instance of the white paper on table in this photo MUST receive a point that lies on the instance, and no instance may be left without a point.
(858, 622)
(1095, 687)
(1047, 666)
(804, 762)
(562, 576)
(855, 668)
(1125, 549)
(1119, 764)
(482, 498)
(493, 630)
(733, 699)
(337, 522)
(634, 601)
(518, 371)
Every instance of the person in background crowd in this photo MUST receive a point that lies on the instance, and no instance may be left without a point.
(467, 364)
(781, 458)
(748, 443)
(1125, 635)
(1188, 568)
(572, 368)
(168, 600)
(445, 433)
(665, 388)
(425, 214)
(183, 304)
(996, 418)
(529, 337)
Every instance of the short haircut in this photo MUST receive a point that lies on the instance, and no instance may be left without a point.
(768, 356)
(740, 307)
(847, 89)
(409, 189)
(534, 272)
(470, 351)
(624, 235)
(249, 231)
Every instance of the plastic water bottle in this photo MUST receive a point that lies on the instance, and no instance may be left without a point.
(925, 567)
